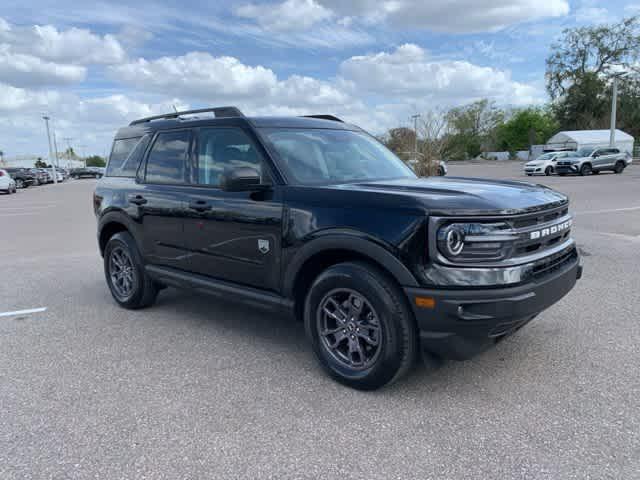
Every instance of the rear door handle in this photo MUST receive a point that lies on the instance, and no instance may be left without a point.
(137, 199)
(200, 206)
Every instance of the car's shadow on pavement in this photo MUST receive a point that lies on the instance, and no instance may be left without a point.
(282, 336)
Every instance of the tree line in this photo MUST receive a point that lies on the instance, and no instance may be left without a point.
(579, 75)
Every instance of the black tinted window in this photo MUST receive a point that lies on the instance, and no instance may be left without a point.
(221, 148)
(125, 156)
(166, 161)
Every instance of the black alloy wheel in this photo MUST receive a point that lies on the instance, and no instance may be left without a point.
(586, 169)
(122, 273)
(130, 286)
(619, 168)
(360, 326)
(349, 328)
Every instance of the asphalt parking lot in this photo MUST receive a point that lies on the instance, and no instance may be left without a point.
(197, 389)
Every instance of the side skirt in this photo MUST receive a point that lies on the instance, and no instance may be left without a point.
(219, 288)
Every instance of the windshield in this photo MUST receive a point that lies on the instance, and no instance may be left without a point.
(585, 151)
(546, 156)
(322, 156)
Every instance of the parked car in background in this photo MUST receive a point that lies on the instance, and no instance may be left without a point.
(7, 184)
(590, 160)
(58, 174)
(21, 176)
(89, 172)
(39, 176)
(545, 164)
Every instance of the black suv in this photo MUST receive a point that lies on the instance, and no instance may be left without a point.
(315, 217)
(21, 176)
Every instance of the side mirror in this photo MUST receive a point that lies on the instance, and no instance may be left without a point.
(240, 179)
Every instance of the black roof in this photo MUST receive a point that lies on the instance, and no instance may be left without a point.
(229, 116)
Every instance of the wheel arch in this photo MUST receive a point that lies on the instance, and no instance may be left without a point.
(319, 254)
(110, 224)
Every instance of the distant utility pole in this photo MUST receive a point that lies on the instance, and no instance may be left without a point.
(415, 130)
(46, 121)
(82, 152)
(55, 148)
(614, 104)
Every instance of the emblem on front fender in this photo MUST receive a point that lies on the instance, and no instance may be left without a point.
(263, 245)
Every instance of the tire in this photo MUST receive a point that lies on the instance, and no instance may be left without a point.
(392, 345)
(121, 252)
(586, 169)
(20, 183)
(440, 172)
(548, 171)
(619, 167)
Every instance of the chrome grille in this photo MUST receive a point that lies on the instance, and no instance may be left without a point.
(540, 231)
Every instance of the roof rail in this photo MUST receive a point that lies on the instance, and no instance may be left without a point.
(219, 112)
(325, 117)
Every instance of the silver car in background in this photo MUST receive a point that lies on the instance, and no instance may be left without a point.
(545, 164)
(595, 160)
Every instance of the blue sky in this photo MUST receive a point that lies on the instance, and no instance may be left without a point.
(94, 66)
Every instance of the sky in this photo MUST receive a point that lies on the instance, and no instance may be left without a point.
(95, 66)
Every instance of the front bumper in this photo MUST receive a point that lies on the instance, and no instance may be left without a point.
(463, 323)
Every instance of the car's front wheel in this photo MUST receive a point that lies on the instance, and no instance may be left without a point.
(586, 169)
(19, 183)
(130, 286)
(548, 171)
(619, 168)
(360, 326)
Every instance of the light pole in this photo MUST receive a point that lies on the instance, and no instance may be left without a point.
(415, 130)
(55, 176)
(614, 105)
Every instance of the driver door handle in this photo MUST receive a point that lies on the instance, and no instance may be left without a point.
(137, 199)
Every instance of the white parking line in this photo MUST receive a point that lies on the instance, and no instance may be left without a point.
(22, 312)
(612, 210)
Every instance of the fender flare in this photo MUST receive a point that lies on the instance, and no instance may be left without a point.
(117, 216)
(367, 248)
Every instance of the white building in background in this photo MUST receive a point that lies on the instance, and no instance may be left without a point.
(29, 161)
(576, 139)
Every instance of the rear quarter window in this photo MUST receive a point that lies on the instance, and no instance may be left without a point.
(126, 154)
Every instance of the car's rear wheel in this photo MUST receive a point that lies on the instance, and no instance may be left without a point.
(130, 286)
(548, 171)
(586, 169)
(619, 167)
(360, 327)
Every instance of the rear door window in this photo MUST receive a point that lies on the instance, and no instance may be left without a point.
(166, 162)
(126, 154)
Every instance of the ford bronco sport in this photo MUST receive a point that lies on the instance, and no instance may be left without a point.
(315, 217)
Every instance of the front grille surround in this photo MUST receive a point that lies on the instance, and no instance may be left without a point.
(533, 236)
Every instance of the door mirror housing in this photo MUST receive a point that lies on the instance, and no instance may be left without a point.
(241, 179)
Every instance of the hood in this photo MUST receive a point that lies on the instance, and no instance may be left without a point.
(468, 196)
(534, 163)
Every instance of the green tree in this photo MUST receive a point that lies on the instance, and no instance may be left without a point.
(526, 127)
(400, 141)
(600, 50)
(472, 129)
(585, 104)
(41, 164)
(95, 161)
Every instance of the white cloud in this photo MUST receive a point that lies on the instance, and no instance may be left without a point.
(73, 46)
(290, 15)
(456, 16)
(27, 70)
(408, 73)
(225, 79)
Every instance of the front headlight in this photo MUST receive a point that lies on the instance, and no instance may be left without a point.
(468, 242)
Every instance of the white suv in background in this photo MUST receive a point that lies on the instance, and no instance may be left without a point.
(545, 164)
